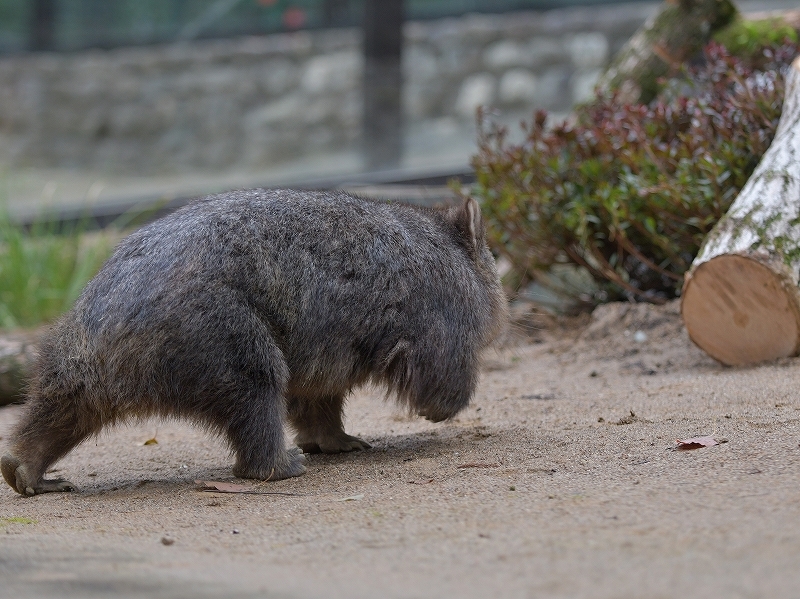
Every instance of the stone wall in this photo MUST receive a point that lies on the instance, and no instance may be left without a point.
(251, 102)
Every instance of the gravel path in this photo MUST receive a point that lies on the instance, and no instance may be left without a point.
(546, 486)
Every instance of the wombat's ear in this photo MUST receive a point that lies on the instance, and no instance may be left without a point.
(469, 223)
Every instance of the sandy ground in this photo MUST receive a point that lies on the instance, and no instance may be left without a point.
(545, 487)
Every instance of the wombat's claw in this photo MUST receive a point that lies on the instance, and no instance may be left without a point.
(16, 475)
(349, 443)
(340, 443)
(297, 451)
(298, 462)
(51, 485)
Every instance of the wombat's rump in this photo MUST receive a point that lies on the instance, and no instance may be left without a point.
(246, 308)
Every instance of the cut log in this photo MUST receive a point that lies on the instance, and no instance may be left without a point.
(740, 300)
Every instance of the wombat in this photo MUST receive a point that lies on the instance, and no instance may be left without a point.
(245, 309)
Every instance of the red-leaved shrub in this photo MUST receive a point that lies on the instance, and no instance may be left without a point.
(629, 192)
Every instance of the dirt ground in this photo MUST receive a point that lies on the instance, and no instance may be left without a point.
(546, 486)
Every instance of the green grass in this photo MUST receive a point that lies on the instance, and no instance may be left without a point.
(17, 520)
(747, 38)
(44, 267)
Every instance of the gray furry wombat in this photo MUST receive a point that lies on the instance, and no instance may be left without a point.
(246, 308)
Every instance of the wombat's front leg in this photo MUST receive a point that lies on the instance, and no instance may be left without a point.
(318, 422)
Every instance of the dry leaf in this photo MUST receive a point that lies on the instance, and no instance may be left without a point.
(152, 441)
(213, 485)
(695, 443)
(353, 498)
(627, 419)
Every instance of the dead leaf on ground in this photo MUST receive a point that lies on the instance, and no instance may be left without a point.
(358, 497)
(627, 419)
(478, 465)
(213, 485)
(223, 487)
(695, 443)
(152, 441)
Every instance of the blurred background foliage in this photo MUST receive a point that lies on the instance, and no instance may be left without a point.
(615, 202)
(44, 267)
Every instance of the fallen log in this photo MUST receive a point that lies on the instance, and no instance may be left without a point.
(740, 300)
(17, 352)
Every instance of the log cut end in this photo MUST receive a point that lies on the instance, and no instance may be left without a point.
(739, 311)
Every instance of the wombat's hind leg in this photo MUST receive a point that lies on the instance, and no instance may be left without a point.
(246, 391)
(318, 422)
(48, 430)
(255, 431)
(19, 478)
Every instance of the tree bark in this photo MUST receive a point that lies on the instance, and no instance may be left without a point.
(674, 35)
(741, 302)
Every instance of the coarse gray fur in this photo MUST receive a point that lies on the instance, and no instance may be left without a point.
(246, 308)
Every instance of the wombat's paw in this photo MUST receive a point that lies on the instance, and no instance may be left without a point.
(337, 443)
(16, 475)
(51, 485)
(294, 464)
(436, 413)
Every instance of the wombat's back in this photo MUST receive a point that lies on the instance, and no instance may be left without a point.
(346, 285)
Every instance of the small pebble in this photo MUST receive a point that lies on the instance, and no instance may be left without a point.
(235, 531)
(640, 336)
(167, 540)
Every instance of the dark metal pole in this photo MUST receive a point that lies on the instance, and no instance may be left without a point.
(335, 12)
(43, 21)
(383, 122)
